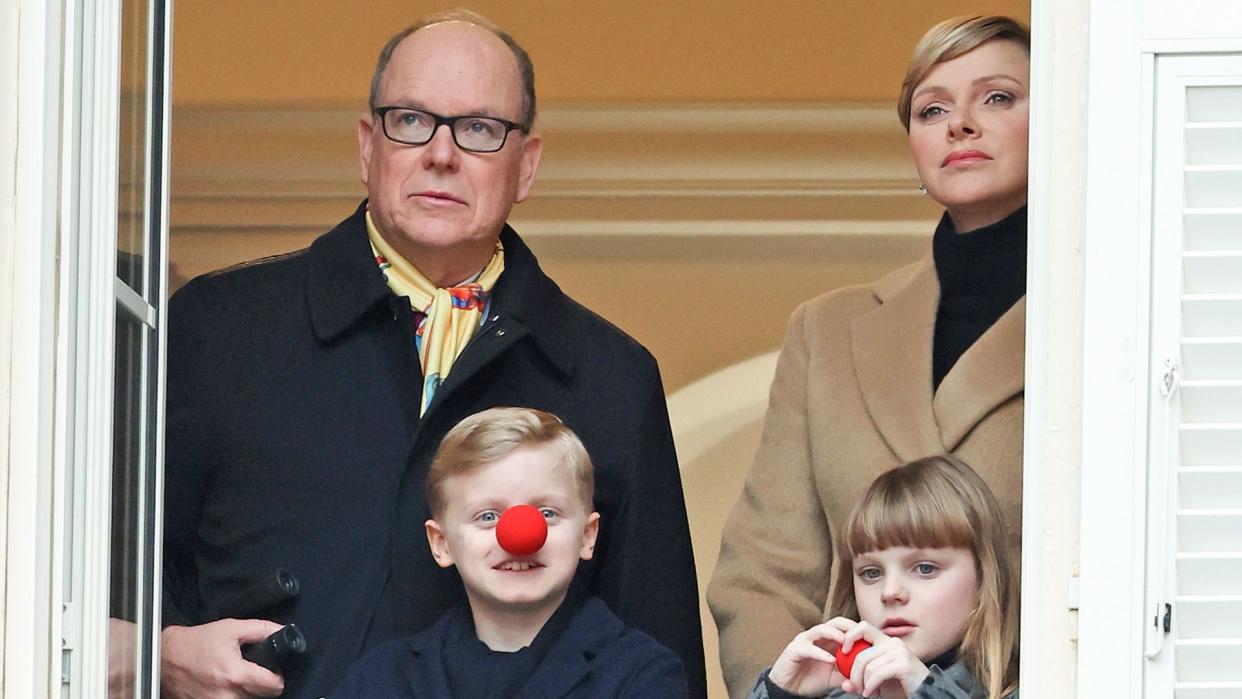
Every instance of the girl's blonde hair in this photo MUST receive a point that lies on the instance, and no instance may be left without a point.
(940, 502)
(950, 39)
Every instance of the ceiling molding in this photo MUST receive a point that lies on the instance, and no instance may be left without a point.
(612, 170)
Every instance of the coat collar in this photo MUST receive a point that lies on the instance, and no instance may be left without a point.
(567, 663)
(569, 659)
(430, 676)
(892, 348)
(344, 284)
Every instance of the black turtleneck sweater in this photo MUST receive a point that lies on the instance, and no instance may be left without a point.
(982, 274)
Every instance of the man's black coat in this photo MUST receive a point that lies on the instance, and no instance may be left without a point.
(293, 441)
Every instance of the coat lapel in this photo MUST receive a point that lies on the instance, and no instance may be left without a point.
(559, 673)
(425, 671)
(892, 348)
(989, 373)
(568, 661)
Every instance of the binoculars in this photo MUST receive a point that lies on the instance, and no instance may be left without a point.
(273, 651)
(268, 593)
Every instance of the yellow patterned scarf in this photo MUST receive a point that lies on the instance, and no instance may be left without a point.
(450, 316)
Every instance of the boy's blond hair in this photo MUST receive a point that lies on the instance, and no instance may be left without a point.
(940, 502)
(486, 437)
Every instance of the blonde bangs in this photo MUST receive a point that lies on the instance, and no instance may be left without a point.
(913, 512)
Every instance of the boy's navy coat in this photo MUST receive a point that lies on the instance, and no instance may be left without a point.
(596, 657)
(294, 441)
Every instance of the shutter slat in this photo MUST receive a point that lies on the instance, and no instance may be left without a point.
(1214, 231)
(1205, 488)
(1212, 401)
(1213, 103)
(1209, 574)
(1212, 317)
(1209, 531)
(1209, 359)
(1215, 144)
(1212, 272)
(1209, 660)
(1211, 444)
(1213, 188)
(1208, 617)
(1207, 690)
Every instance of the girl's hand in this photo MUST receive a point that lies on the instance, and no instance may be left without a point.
(807, 666)
(887, 669)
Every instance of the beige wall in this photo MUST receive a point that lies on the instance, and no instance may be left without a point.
(322, 51)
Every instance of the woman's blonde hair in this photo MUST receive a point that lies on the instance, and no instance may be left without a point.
(940, 502)
(950, 39)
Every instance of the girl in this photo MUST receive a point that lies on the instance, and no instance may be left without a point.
(926, 571)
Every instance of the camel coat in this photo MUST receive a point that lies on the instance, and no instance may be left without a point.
(852, 398)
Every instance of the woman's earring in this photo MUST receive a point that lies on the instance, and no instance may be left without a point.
(922, 188)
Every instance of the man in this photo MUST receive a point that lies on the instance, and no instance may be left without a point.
(308, 392)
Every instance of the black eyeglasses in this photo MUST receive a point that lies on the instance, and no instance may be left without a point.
(415, 127)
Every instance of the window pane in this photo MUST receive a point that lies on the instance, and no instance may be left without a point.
(131, 193)
(127, 491)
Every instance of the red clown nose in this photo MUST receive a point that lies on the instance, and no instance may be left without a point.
(522, 530)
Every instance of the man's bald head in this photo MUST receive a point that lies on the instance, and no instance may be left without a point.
(525, 68)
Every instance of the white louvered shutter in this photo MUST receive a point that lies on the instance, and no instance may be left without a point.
(1195, 448)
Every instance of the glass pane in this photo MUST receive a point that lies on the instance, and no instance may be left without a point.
(131, 192)
(127, 556)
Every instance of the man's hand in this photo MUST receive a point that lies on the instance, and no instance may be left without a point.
(204, 662)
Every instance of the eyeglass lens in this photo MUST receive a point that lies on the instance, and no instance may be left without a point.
(470, 132)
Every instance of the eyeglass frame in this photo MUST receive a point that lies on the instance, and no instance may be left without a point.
(449, 121)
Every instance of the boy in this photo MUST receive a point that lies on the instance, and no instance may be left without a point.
(520, 634)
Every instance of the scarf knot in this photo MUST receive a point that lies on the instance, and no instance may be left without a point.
(450, 316)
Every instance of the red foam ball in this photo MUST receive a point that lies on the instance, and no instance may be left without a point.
(845, 661)
(522, 530)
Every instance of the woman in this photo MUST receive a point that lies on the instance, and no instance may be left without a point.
(927, 360)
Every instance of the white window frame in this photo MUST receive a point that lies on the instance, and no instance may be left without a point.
(61, 305)
(29, 624)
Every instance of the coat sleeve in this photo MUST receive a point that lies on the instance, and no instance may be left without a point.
(663, 677)
(772, 577)
(189, 390)
(647, 576)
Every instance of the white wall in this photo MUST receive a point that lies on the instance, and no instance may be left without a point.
(1054, 348)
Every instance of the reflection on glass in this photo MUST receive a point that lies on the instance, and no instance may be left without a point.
(127, 446)
(131, 192)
